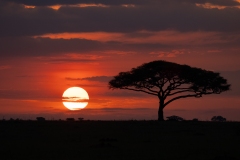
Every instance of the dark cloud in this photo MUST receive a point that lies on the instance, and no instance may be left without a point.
(215, 2)
(26, 46)
(126, 93)
(113, 110)
(120, 2)
(73, 79)
(94, 78)
(98, 78)
(72, 2)
(29, 94)
(74, 99)
(66, 59)
(19, 21)
(19, 24)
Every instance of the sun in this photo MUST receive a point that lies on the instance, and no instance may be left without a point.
(75, 98)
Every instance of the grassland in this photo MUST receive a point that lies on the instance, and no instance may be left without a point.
(119, 140)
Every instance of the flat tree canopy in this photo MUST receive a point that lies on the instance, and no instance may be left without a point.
(169, 82)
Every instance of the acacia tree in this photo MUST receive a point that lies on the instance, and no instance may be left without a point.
(169, 82)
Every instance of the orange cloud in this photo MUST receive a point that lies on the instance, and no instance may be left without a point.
(212, 6)
(163, 37)
(26, 6)
(100, 36)
(56, 7)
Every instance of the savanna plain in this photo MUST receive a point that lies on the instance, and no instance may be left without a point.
(119, 140)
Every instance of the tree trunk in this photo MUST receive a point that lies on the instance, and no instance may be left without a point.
(160, 111)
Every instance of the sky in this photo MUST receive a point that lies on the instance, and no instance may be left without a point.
(48, 46)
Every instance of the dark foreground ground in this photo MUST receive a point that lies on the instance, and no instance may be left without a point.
(114, 140)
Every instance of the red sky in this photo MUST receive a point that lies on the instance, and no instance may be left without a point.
(46, 47)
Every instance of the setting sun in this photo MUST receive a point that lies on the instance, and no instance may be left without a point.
(75, 98)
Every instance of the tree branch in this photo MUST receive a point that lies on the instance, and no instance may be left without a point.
(181, 88)
(172, 86)
(151, 90)
(184, 96)
(140, 90)
(186, 90)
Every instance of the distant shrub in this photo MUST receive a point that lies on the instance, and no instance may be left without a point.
(195, 119)
(174, 118)
(40, 119)
(80, 119)
(70, 119)
(218, 119)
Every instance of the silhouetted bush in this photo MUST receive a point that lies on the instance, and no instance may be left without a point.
(40, 119)
(218, 119)
(174, 118)
(80, 119)
(195, 119)
(70, 119)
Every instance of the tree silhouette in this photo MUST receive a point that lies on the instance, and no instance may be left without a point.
(169, 82)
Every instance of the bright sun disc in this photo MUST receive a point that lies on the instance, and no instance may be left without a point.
(75, 98)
